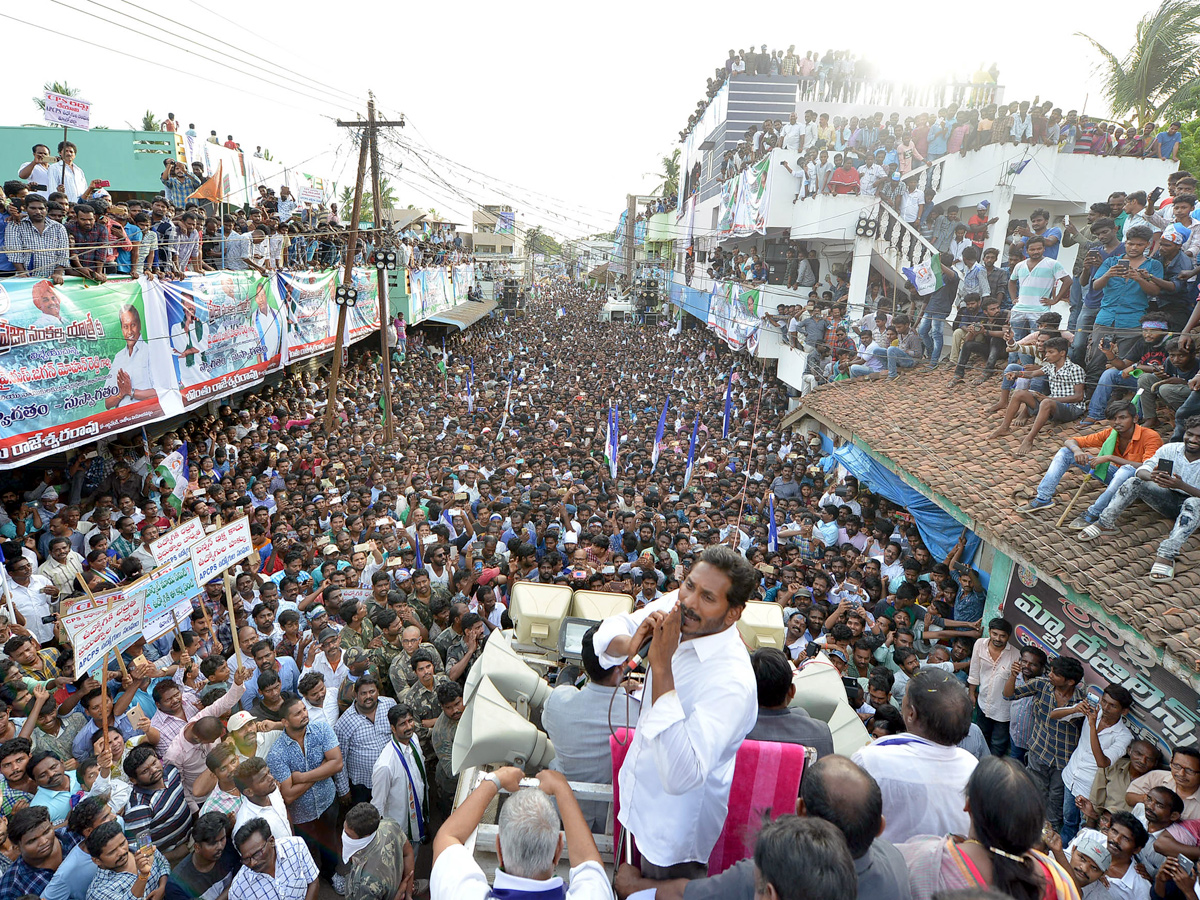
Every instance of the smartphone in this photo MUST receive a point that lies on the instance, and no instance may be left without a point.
(1165, 466)
(1186, 864)
(478, 566)
(1067, 219)
(143, 840)
(48, 620)
(104, 184)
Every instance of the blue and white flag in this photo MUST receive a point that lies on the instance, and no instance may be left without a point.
(728, 403)
(471, 387)
(418, 563)
(691, 460)
(656, 451)
(507, 402)
(772, 530)
(612, 440)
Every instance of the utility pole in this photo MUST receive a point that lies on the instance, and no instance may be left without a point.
(381, 275)
(631, 201)
(366, 142)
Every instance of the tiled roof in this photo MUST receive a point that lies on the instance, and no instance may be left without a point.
(937, 433)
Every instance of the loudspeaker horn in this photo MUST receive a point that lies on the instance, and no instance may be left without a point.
(491, 732)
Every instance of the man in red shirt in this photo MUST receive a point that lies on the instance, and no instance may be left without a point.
(844, 179)
(977, 225)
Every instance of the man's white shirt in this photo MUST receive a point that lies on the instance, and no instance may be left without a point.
(679, 768)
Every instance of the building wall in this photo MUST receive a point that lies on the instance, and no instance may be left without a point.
(131, 160)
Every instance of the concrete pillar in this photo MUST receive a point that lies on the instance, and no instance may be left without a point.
(1002, 200)
(860, 273)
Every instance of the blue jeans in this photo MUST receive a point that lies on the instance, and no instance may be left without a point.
(1037, 383)
(1109, 381)
(858, 371)
(1083, 330)
(932, 333)
(1022, 324)
(1063, 460)
(1076, 303)
(1172, 504)
(896, 358)
(1072, 818)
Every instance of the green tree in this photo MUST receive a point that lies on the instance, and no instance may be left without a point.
(669, 185)
(367, 214)
(539, 242)
(1158, 72)
(57, 87)
(1189, 147)
(150, 121)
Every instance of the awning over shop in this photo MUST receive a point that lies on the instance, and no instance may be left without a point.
(464, 315)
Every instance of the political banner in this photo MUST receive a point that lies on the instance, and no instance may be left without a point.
(745, 202)
(77, 362)
(81, 361)
(218, 551)
(312, 195)
(103, 629)
(362, 318)
(306, 299)
(176, 543)
(225, 332)
(1165, 708)
(160, 593)
(733, 313)
(437, 289)
(71, 112)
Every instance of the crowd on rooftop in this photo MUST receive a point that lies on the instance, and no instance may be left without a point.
(59, 222)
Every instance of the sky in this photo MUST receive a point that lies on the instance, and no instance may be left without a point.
(558, 111)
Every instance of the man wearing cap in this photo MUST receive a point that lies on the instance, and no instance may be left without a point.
(329, 664)
(1087, 859)
(977, 225)
(1173, 301)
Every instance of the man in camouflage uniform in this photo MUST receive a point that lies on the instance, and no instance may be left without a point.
(461, 654)
(359, 663)
(386, 865)
(358, 631)
(453, 631)
(400, 672)
(422, 697)
(450, 696)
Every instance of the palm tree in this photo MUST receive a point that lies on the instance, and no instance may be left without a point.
(150, 121)
(670, 171)
(1158, 71)
(367, 213)
(55, 87)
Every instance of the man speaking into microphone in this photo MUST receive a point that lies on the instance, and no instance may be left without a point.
(699, 703)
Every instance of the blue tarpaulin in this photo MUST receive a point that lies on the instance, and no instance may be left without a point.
(938, 528)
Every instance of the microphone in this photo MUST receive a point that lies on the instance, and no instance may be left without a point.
(637, 658)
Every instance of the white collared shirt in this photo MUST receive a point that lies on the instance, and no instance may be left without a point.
(275, 813)
(456, 876)
(922, 783)
(391, 790)
(679, 769)
(333, 681)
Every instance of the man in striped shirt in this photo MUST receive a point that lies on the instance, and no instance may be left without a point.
(157, 803)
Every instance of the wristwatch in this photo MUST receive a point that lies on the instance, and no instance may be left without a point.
(493, 778)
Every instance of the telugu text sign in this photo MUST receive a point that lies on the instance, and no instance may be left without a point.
(175, 544)
(311, 195)
(165, 589)
(69, 111)
(1164, 706)
(220, 550)
(96, 632)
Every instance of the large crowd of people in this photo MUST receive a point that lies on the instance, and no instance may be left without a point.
(315, 749)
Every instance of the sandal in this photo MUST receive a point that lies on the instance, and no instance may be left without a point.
(1162, 571)
(1094, 531)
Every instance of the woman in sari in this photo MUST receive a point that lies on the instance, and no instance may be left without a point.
(1006, 821)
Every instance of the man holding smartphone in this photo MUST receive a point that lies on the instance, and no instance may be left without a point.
(1169, 482)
